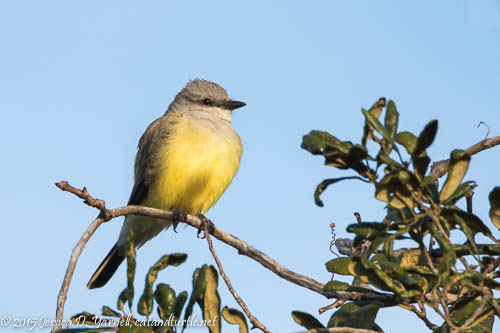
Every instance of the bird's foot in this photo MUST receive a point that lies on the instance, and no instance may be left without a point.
(179, 215)
(205, 222)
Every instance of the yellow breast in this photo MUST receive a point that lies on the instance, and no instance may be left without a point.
(197, 162)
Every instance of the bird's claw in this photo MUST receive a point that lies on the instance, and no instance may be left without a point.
(205, 222)
(179, 215)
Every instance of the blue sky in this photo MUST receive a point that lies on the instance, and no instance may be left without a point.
(80, 81)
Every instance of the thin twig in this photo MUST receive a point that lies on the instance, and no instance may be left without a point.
(337, 303)
(440, 168)
(63, 292)
(473, 317)
(338, 330)
(421, 314)
(233, 241)
(256, 323)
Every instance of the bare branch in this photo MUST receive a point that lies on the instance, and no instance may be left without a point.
(338, 330)
(440, 168)
(256, 323)
(63, 292)
(242, 247)
(421, 314)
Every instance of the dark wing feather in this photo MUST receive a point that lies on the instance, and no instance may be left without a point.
(144, 161)
(147, 155)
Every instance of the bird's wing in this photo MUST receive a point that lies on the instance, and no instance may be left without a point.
(147, 151)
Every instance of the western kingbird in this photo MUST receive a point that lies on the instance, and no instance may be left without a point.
(185, 161)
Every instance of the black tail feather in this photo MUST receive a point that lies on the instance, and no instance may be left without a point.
(107, 268)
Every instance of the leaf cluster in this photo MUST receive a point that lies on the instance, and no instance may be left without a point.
(169, 305)
(437, 275)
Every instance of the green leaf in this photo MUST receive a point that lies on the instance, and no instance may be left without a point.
(339, 265)
(383, 158)
(425, 138)
(179, 303)
(472, 221)
(235, 317)
(122, 299)
(84, 318)
(327, 182)
(375, 111)
(367, 230)
(145, 305)
(391, 122)
(199, 285)
(465, 307)
(107, 311)
(394, 190)
(494, 199)
(206, 296)
(420, 165)
(461, 191)
(306, 320)
(356, 315)
(381, 261)
(165, 298)
(211, 301)
(375, 123)
(335, 285)
(467, 231)
(316, 141)
(86, 330)
(459, 162)
(130, 268)
(135, 329)
(407, 140)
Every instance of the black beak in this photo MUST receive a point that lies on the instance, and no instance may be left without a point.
(233, 105)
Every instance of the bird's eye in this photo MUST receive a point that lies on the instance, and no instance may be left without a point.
(207, 101)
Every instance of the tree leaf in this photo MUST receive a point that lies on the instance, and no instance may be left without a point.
(339, 266)
(166, 300)
(375, 123)
(135, 329)
(420, 165)
(375, 110)
(235, 317)
(367, 230)
(211, 301)
(130, 268)
(494, 199)
(392, 190)
(473, 222)
(462, 190)
(356, 315)
(459, 162)
(391, 123)
(122, 299)
(306, 320)
(107, 311)
(316, 141)
(84, 318)
(407, 140)
(206, 296)
(327, 182)
(199, 285)
(425, 138)
(335, 285)
(179, 303)
(145, 305)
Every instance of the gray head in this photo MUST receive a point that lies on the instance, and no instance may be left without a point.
(205, 96)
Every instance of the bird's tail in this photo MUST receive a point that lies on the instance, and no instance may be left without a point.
(107, 268)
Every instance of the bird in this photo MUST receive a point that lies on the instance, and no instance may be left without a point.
(185, 161)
